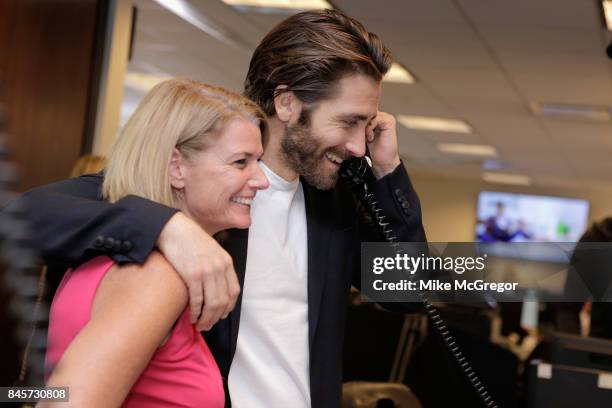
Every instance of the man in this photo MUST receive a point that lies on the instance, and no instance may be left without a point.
(317, 75)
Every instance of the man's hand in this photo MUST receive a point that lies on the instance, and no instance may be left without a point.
(381, 136)
(205, 267)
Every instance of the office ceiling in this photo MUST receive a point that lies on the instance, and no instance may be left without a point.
(481, 61)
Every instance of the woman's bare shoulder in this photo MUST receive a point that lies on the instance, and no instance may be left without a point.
(141, 283)
(137, 305)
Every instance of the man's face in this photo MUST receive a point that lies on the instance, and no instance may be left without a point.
(334, 131)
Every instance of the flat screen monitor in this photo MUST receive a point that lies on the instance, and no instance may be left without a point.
(510, 217)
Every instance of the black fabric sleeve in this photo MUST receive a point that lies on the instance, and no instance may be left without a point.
(70, 222)
(400, 204)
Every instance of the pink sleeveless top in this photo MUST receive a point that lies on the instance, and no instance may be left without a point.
(181, 373)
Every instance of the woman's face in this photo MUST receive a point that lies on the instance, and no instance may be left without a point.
(220, 182)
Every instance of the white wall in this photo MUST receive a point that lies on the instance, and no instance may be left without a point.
(449, 204)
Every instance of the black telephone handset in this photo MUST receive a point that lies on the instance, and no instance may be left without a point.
(356, 171)
(355, 174)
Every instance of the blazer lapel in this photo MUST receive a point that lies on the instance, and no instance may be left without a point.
(318, 233)
(236, 244)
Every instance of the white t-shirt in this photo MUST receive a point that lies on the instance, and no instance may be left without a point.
(271, 366)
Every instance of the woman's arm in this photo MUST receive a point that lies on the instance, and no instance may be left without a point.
(133, 312)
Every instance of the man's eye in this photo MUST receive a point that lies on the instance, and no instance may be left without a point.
(351, 123)
(241, 162)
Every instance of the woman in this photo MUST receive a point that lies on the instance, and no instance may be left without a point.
(120, 334)
(88, 164)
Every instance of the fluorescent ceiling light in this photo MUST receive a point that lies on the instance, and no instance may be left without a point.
(271, 6)
(607, 9)
(143, 81)
(434, 124)
(468, 149)
(398, 74)
(507, 178)
(560, 110)
(190, 14)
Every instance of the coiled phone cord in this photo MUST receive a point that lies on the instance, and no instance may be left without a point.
(355, 175)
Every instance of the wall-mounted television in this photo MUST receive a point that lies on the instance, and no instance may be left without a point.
(509, 217)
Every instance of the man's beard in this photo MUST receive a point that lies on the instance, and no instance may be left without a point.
(304, 155)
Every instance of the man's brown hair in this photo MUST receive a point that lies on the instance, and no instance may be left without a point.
(308, 53)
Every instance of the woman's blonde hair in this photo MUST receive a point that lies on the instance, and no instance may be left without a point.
(88, 164)
(181, 113)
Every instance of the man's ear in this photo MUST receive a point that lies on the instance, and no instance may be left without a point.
(176, 170)
(287, 105)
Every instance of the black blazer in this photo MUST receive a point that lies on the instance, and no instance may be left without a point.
(71, 227)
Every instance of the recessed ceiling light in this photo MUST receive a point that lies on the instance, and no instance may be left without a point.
(143, 81)
(507, 178)
(398, 74)
(276, 6)
(560, 110)
(607, 9)
(434, 124)
(468, 149)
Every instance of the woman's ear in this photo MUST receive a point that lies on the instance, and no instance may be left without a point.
(177, 171)
(286, 105)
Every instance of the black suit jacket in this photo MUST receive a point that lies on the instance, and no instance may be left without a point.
(72, 227)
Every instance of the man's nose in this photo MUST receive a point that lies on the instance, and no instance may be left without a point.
(356, 146)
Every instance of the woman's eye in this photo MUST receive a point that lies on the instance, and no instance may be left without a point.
(241, 162)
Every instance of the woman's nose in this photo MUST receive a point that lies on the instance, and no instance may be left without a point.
(258, 179)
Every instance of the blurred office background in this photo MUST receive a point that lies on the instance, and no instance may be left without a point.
(518, 92)
(499, 96)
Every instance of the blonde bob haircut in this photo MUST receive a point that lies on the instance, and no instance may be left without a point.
(178, 113)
